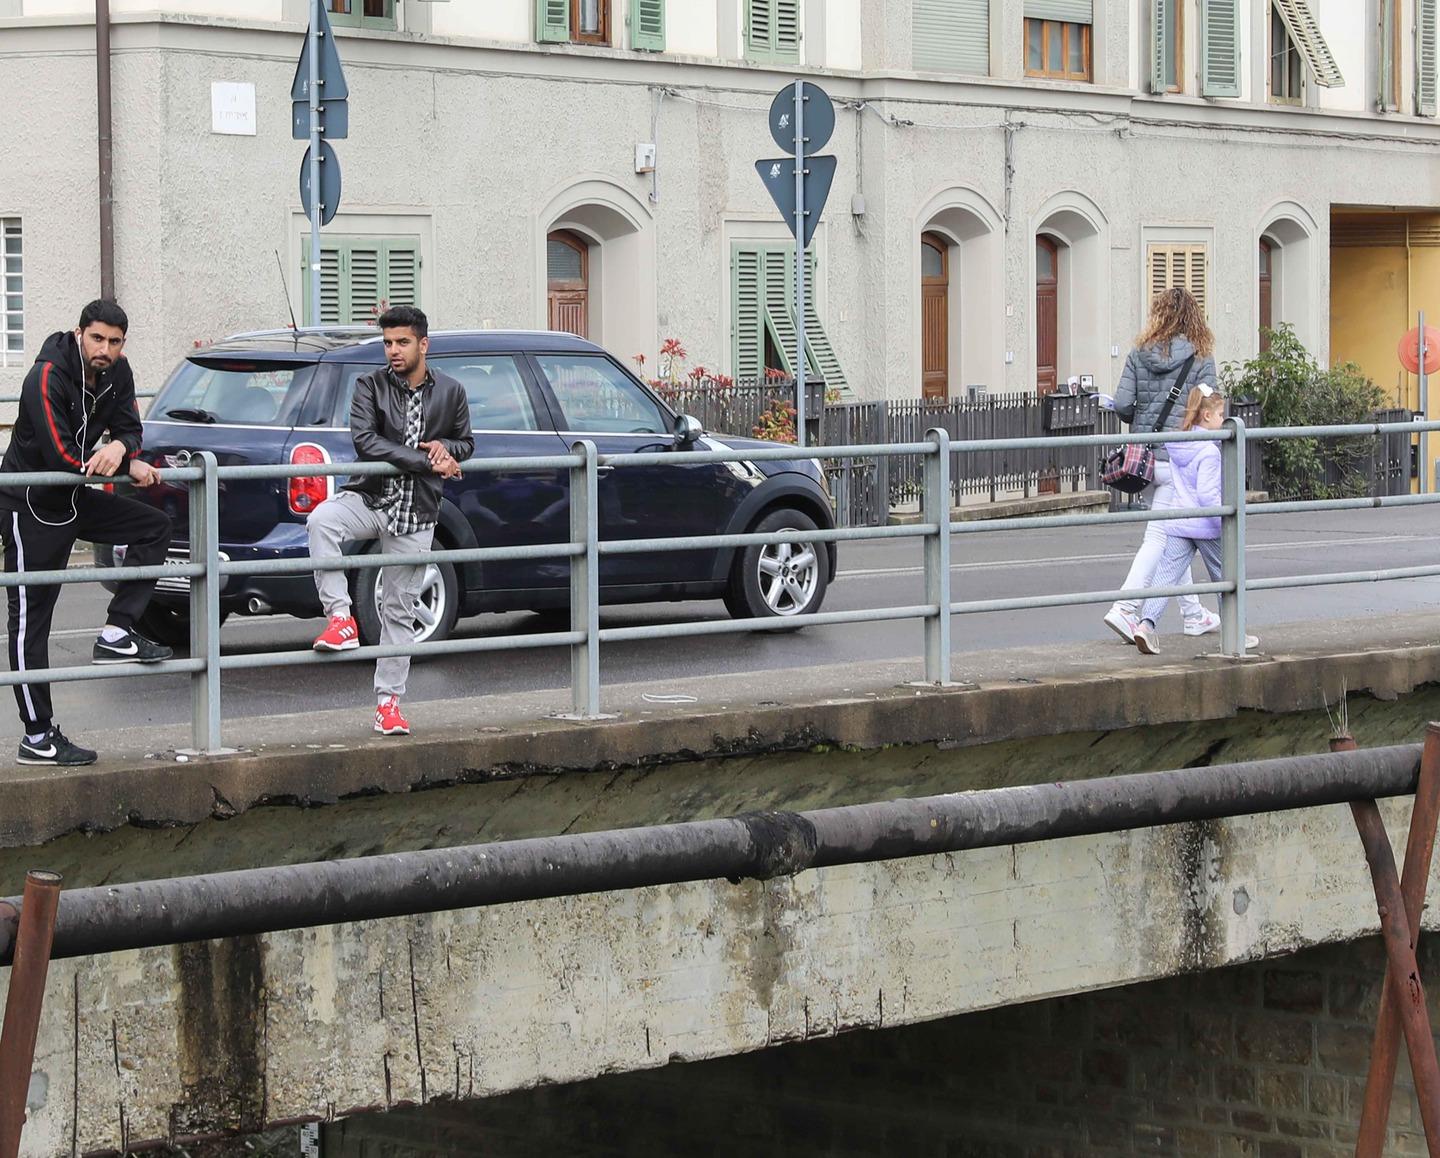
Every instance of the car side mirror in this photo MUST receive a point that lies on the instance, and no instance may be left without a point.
(687, 430)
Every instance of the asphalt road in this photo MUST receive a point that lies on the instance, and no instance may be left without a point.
(872, 575)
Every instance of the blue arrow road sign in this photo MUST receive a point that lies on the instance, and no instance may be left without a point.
(334, 120)
(332, 76)
(779, 177)
(329, 183)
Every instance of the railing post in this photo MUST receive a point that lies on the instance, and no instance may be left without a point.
(33, 940)
(935, 506)
(205, 606)
(1232, 540)
(585, 586)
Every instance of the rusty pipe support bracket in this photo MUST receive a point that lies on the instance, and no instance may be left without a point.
(23, 1002)
(1404, 970)
(1419, 852)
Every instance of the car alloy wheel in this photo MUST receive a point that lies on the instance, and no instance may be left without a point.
(788, 574)
(430, 603)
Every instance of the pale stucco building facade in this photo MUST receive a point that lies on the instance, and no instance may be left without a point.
(1014, 176)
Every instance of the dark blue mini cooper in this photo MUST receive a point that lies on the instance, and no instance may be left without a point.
(284, 397)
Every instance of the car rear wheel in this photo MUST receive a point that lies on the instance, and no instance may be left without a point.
(168, 625)
(778, 580)
(436, 608)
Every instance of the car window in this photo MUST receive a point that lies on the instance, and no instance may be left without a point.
(493, 386)
(239, 392)
(497, 394)
(596, 396)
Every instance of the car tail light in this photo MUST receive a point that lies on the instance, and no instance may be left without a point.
(307, 493)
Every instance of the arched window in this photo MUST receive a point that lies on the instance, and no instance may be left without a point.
(567, 266)
(935, 317)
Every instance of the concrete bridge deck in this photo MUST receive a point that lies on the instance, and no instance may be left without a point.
(165, 1044)
(317, 758)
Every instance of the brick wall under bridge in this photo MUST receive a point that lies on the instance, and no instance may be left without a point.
(1266, 1060)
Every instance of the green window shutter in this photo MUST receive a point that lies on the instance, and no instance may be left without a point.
(364, 278)
(1162, 46)
(1304, 30)
(402, 273)
(775, 281)
(552, 21)
(334, 301)
(952, 36)
(1427, 57)
(1220, 48)
(1385, 54)
(772, 30)
(647, 25)
(747, 326)
(1067, 11)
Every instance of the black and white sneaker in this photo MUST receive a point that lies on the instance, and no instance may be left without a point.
(54, 749)
(130, 648)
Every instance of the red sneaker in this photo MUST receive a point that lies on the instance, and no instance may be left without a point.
(389, 721)
(343, 634)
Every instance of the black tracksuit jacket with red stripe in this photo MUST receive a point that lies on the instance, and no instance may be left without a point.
(61, 419)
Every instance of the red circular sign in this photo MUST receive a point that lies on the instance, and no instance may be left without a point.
(1409, 350)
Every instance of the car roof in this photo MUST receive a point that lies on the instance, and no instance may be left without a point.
(362, 344)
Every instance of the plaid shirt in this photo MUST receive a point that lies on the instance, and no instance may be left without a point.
(398, 497)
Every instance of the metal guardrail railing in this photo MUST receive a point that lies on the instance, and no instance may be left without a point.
(207, 571)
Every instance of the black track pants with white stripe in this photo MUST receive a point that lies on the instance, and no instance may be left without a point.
(32, 544)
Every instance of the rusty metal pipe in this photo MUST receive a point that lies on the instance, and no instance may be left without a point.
(758, 846)
(1419, 852)
(23, 1002)
(1404, 970)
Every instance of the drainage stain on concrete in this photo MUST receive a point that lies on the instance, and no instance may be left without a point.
(545, 804)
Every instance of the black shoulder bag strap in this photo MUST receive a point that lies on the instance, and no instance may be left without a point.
(1175, 392)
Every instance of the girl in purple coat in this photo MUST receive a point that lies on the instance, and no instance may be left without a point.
(1195, 467)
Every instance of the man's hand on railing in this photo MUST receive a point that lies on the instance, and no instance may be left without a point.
(441, 460)
(142, 474)
(106, 461)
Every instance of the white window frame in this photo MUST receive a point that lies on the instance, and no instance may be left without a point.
(12, 238)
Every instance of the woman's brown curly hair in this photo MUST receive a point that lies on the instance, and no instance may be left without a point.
(1176, 312)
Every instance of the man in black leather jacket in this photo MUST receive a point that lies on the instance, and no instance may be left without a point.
(418, 420)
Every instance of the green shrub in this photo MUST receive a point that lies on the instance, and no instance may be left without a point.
(1294, 390)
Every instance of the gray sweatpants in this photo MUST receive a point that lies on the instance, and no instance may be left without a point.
(1174, 568)
(346, 519)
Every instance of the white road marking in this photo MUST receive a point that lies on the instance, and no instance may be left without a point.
(1066, 560)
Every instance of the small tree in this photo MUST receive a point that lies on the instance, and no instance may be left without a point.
(1294, 390)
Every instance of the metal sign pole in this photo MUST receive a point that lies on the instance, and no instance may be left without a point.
(1427, 483)
(312, 315)
(800, 263)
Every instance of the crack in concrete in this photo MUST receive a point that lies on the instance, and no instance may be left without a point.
(415, 1010)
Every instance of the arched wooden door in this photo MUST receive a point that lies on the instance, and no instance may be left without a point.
(934, 318)
(1047, 314)
(1267, 309)
(567, 268)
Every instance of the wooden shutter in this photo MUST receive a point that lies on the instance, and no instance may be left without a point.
(1162, 45)
(1220, 48)
(647, 25)
(402, 273)
(1304, 31)
(1186, 266)
(1427, 50)
(772, 30)
(952, 36)
(357, 274)
(552, 21)
(748, 317)
(779, 321)
(1067, 11)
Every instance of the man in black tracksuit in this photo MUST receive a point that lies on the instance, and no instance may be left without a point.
(79, 389)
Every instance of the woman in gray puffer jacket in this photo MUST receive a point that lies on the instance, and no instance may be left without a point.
(1175, 334)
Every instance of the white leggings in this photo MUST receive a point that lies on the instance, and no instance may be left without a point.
(1147, 559)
